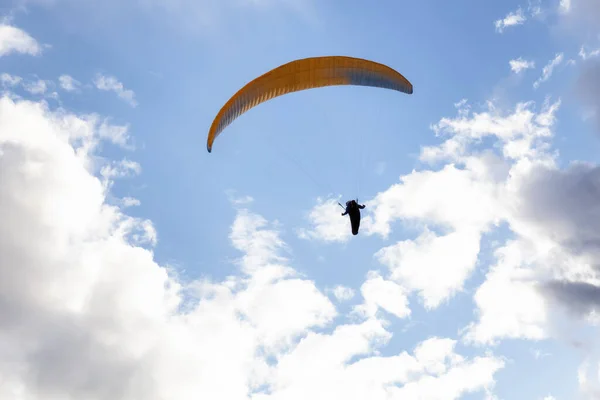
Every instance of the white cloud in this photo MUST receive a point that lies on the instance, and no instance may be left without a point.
(38, 87)
(317, 369)
(387, 295)
(327, 223)
(343, 293)
(130, 202)
(461, 103)
(539, 354)
(69, 83)
(482, 189)
(588, 379)
(581, 17)
(522, 313)
(243, 200)
(15, 40)
(10, 80)
(520, 186)
(470, 201)
(511, 19)
(87, 293)
(586, 54)
(120, 169)
(564, 6)
(551, 212)
(535, 7)
(79, 283)
(549, 69)
(261, 247)
(519, 133)
(117, 134)
(110, 83)
(520, 65)
(435, 266)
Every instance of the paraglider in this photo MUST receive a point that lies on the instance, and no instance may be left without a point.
(304, 74)
(353, 209)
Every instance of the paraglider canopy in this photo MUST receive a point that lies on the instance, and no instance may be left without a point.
(303, 74)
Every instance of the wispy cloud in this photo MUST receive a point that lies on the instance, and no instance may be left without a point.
(38, 87)
(586, 54)
(549, 69)
(343, 293)
(534, 7)
(519, 65)
(130, 202)
(110, 83)
(120, 169)
(15, 40)
(69, 83)
(10, 80)
(117, 134)
(564, 6)
(511, 19)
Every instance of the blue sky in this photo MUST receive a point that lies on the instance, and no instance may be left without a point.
(137, 265)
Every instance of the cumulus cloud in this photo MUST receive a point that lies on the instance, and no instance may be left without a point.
(513, 18)
(87, 312)
(435, 266)
(15, 40)
(549, 69)
(508, 304)
(326, 223)
(552, 213)
(553, 260)
(110, 83)
(519, 65)
(482, 189)
(522, 137)
(73, 258)
(469, 203)
(582, 298)
(380, 293)
(434, 370)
